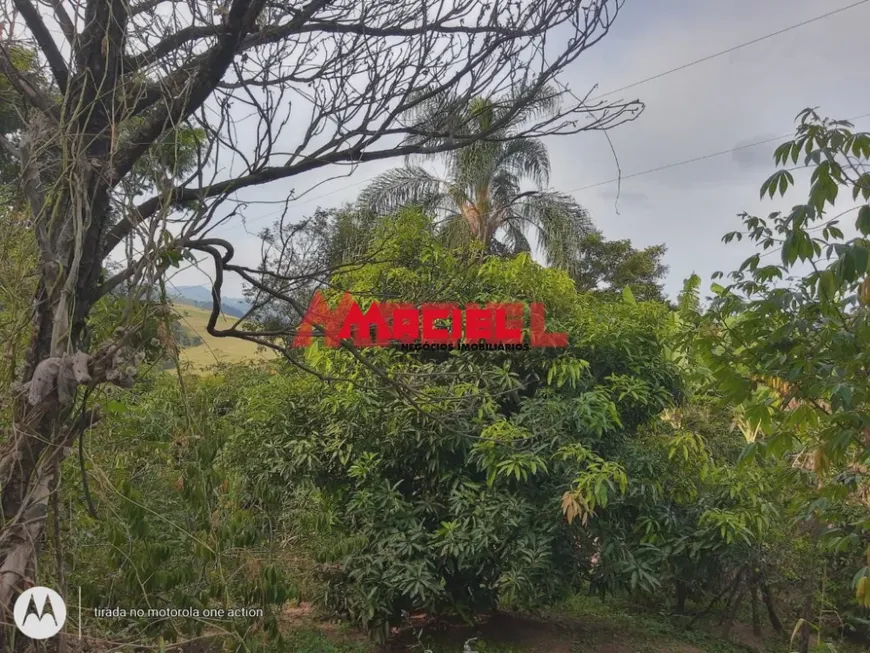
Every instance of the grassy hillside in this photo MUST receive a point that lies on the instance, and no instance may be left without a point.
(214, 350)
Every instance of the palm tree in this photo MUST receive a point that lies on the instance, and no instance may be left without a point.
(481, 196)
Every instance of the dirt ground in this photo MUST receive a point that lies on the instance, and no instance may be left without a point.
(581, 625)
(508, 632)
(577, 630)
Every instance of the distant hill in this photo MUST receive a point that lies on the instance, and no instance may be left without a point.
(200, 296)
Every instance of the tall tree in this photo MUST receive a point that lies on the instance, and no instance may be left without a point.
(787, 341)
(610, 265)
(481, 195)
(278, 89)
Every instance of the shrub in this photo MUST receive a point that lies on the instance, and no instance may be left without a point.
(455, 481)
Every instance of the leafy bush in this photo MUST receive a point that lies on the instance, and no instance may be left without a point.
(455, 480)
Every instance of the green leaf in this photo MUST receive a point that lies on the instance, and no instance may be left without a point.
(116, 407)
(863, 221)
(751, 262)
(628, 296)
(849, 268)
(843, 393)
(790, 248)
(827, 285)
(861, 257)
(784, 180)
(748, 454)
(778, 181)
(782, 152)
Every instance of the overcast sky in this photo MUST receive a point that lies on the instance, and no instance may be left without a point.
(749, 95)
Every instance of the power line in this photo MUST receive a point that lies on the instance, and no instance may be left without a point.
(735, 48)
(308, 201)
(349, 186)
(666, 166)
(704, 157)
(632, 85)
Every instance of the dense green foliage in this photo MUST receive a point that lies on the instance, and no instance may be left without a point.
(444, 492)
(161, 526)
(611, 265)
(791, 353)
(698, 457)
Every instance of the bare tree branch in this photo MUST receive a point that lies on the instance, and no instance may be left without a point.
(26, 86)
(64, 20)
(269, 174)
(45, 41)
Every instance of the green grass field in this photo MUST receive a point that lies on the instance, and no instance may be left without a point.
(214, 350)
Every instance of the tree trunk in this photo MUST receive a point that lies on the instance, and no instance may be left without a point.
(736, 590)
(732, 585)
(732, 610)
(43, 429)
(57, 539)
(68, 201)
(756, 620)
(681, 595)
(806, 631)
(32, 430)
(19, 544)
(771, 609)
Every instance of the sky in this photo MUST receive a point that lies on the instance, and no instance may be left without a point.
(749, 95)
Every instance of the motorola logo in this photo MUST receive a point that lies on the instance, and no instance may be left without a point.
(39, 613)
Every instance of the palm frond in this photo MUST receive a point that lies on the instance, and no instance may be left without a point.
(481, 114)
(474, 166)
(430, 113)
(458, 195)
(436, 120)
(561, 224)
(534, 104)
(514, 238)
(484, 178)
(526, 158)
(456, 232)
(431, 121)
(504, 188)
(399, 187)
